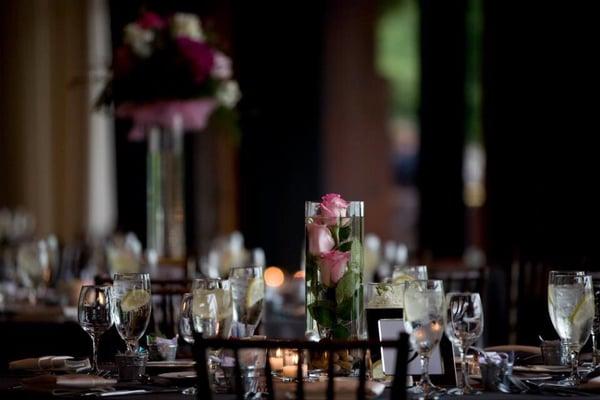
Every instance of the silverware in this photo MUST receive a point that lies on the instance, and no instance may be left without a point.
(129, 391)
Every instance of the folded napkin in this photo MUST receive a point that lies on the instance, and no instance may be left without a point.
(50, 363)
(344, 388)
(68, 381)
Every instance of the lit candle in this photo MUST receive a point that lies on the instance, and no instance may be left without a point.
(277, 361)
(291, 371)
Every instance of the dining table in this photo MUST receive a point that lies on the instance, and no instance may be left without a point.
(10, 389)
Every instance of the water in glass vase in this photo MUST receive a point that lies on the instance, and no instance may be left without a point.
(334, 270)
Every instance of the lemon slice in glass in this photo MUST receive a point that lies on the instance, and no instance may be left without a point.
(401, 278)
(583, 310)
(134, 299)
(256, 291)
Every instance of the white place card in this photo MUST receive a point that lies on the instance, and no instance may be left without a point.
(389, 329)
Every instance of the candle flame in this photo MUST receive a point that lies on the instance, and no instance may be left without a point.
(295, 359)
(278, 353)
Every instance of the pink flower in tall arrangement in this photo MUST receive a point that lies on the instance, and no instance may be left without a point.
(166, 65)
(333, 265)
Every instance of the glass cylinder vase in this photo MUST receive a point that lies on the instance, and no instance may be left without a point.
(334, 274)
(165, 192)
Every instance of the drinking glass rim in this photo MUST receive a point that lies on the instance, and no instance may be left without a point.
(210, 280)
(384, 283)
(574, 272)
(102, 286)
(130, 275)
(211, 283)
(424, 280)
(462, 294)
(245, 267)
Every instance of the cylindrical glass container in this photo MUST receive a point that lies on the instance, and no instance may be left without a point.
(165, 191)
(334, 271)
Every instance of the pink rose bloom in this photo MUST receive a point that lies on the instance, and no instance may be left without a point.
(198, 56)
(319, 239)
(221, 67)
(333, 206)
(150, 20)
(333, 266)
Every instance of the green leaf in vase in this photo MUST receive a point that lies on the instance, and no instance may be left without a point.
(323, 313)
(346, 286)
(344, 233)
(346, 246)
(341, 332)
(344, 309)
(355, 256)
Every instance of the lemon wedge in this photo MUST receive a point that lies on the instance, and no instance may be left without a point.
(401, 278)
(134, 299)
(256, 292)
(584, 308)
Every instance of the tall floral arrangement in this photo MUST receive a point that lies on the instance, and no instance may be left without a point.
(166, 69)
(334, 264)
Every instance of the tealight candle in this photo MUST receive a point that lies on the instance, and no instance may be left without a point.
(277, 361)
(291, 371)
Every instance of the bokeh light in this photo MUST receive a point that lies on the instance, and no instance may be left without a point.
(274, 277)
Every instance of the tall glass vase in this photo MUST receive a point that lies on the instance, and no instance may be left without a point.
(334, 275)
(165, 192)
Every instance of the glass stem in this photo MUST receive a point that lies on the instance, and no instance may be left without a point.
(574, 364)
(425, 382)
(95, 341)
(132, 346)
(464, 370)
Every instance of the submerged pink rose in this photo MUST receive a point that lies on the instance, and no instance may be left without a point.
(333, 206)
(333, 266)
(319, 239)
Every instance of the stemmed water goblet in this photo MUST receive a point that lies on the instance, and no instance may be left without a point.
(424, 316)
(248, 293)
(198, 313)
(571, 308)
(132, 305)
(464, 325)
(94, 314)
(33, 267)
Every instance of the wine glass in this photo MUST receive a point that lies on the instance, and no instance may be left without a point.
(571, 308)
(221, 289)
(424, 316)
(248, 292)
(200, 314)
(94, 314)
(33, 267)
(464, 325)
(132, 306)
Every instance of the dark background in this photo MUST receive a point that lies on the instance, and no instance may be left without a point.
(539, 117)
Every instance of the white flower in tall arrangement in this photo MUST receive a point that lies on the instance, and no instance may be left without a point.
(228, 93)
(139, 39)
(187, 26)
